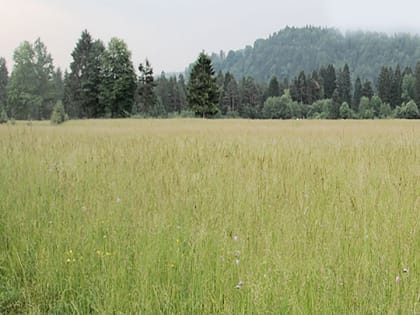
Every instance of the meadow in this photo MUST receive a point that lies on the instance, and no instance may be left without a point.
(191, 216)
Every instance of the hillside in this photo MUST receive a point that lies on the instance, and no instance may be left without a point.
(291, 50)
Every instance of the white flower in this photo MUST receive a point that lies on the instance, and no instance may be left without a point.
(239, 285)
(235, 238)
(237, 261)
(118, 200)
(397, 279)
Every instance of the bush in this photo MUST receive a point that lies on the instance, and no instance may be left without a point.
(58, 114)
(345, 111)
(407, 111)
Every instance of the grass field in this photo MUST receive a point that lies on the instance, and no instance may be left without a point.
(210, 217)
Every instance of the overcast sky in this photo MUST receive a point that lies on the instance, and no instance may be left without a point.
(171, 33)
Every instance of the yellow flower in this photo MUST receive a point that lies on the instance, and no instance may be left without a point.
(107, 254)
(98, 252)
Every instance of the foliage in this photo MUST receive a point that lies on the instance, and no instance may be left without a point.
(146, 88)
(407, 111)
(289, 51)
(30, 89)
(58, 115)
(202, 89)
(82, 84)
(118, 80)
(4, 79)
(278, 107)
(345, 111)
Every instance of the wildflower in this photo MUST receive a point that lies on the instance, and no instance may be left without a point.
(235, 238)
(177, 241)
(68, 260)
(108, 254)
(265, 276)
(118, 200)
(397, 279)
(405, 270)
(237, 261)
(98, 252)
(239, 285)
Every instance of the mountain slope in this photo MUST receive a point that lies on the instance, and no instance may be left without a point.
(291, 50)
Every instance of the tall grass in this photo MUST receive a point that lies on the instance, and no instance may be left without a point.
(205, 217)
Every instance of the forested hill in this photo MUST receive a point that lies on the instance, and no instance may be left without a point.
(292, 50)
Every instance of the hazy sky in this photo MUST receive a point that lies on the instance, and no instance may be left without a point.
(171, 33)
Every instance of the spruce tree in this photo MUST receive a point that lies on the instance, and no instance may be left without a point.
(4, 79)
(273, 87)
(367, 89)
(146, 88)
(344, 85)
(357, 95)
(385, 84)
(396, 88)
(202, 88)
(82, 83)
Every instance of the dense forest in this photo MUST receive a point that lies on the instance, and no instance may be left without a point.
(291, 50)
(102, 81)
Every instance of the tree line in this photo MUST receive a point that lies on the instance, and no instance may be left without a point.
(291, 50)
(103, 83)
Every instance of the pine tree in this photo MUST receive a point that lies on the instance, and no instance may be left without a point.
(396, 88)
(4, 79)
(330, 80)
(82, 83)
(385, 84)
(202, 88)
(417, 77)
(367, 89)
(146, 88)
(344, 85)
(273, 87)
(357, 95)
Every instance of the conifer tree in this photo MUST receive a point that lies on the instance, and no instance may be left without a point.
(357, 95)
(202, 88)
(146, 88)
(4, 79)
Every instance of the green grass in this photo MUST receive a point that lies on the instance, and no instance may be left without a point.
(141, 217)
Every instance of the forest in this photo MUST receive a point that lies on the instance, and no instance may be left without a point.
(307, 73)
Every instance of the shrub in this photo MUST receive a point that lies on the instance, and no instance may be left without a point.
(58, 114)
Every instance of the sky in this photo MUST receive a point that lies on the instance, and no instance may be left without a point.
(171, 33)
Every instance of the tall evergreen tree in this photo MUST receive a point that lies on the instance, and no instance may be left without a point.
(4, 79)
(357, 95)
(417, 77)
(146, 89)
(230, 95)
(330, 81)
(367, 89)
(182, 91)
(344, 85)
(118, 80)
(396, 88)
(273, 87)
(385, 84)
(202, 88)
(250, 98)
(82, 83)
